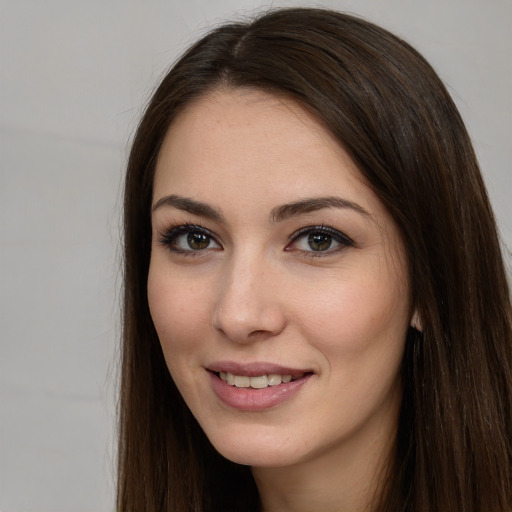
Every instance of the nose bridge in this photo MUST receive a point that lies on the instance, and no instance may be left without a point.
(247, 306)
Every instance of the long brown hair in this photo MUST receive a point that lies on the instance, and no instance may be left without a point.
(390, 111)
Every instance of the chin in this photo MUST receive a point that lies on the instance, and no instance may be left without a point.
(256, 458)
(263, 450)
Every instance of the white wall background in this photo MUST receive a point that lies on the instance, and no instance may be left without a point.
(73, 77)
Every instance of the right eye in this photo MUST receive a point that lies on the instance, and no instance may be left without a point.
(188, 239)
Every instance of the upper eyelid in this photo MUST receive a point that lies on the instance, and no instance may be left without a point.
(183, 228)
(320, 228)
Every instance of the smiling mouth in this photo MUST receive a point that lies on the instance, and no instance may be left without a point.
(256, 382)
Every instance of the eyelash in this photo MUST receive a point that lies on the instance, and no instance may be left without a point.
(339, 237)
(169, 238)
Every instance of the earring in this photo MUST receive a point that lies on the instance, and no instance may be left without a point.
(416, 323)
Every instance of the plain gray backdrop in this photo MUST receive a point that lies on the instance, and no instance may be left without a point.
(73, 78)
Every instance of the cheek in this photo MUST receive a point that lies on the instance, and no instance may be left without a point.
(356, 318)
(179, 319)
(361, 335)
(177, 311)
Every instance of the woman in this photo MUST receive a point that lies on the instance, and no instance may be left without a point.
(316, 310)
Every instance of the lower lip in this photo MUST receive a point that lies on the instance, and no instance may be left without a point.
(250, 399)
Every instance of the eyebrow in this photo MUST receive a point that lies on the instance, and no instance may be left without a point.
(278, 214)
(309, 205)
(191, 206)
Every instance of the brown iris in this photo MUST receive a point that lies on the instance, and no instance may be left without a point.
(198, 241)
(319, 241)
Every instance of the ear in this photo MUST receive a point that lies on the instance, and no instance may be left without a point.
(416, 322)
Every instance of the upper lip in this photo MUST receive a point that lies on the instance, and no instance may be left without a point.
(255, 369)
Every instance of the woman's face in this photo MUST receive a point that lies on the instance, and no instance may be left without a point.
(277, 283)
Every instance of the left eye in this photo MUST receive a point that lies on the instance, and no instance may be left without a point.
(320, 239)
(188, 239)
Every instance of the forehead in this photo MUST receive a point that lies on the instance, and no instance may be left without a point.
(248, 135)
(244, 111)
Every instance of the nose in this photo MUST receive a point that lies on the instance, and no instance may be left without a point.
(247, 307)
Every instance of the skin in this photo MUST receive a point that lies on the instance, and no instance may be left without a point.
(258, 292)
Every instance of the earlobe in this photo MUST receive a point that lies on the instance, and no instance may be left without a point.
(416, 322)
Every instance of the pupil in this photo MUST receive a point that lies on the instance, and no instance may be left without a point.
(198, 241)
(319, 241)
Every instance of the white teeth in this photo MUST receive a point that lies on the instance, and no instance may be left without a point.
(274, 380)
(259, 382)
(242, 381)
